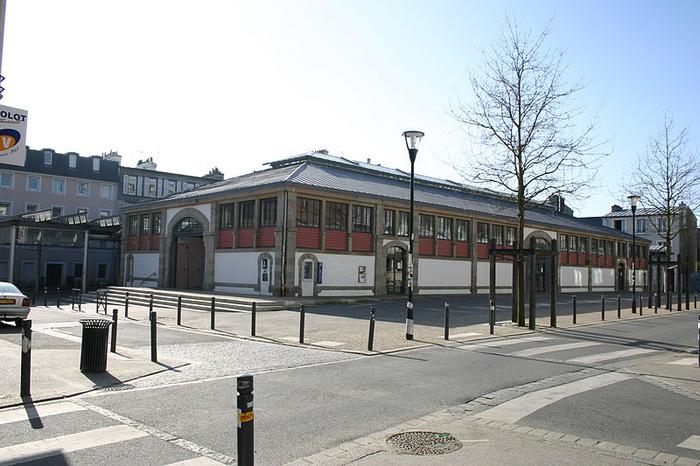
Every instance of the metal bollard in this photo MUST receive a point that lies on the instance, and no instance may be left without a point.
(97, 302)
(244, 436)
(370, 339)
(619, 305)
(113, 342)
(126, 305)
(253, 310)
(212, 319)
(154, 335)
(574, 310)
(602, 307)
(72, 299)
(26, 369)
(302, 314)
(492, 316)
(656, 304)
(58, 296)
(80, 301)
(447, 321)
(695, 300)
(106, 300)
(179, 310)
(687, 296)
(150, 304)
(45, 297)
(640, 305)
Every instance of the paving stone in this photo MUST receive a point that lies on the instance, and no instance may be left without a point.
(523, 429)
(509, 427)
(644, 454)
(609, 446)
(625, 449)
(665, 458)
(570, 438)
(589, 442)
(538, 432)
(553, 435)
(687, 462)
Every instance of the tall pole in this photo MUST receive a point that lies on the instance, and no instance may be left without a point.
(409, 305)
(634, 261)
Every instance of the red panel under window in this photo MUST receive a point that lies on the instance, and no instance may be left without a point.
(582, 259)
(246, 237)
(132, 242)
(362, 242)
(266, 237)
(610, 261)
(482, 251)
(308, 237)
(155, 242)
(462, 249)
(226, 238)
(573, 258)
(563, 258)
(337, 240)
(444, 248)
(425, 247)
(143, 243)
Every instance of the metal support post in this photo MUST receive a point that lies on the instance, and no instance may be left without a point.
(154, 335)
(45, 297)
(150, 304)
(72, 299)
(554, 284)
(602, 307)
(244, 436)
(370, 338)
(619, 305)
(302, 314)
(213, 313)
(492, 316)
(656, 304)
(58, 296)
(533, 286)
(97, 302)
(447, 321)
(126, 305)
(574, 310)
(80, 300)
(113, 342)
(253, 310)
(179, 310)
(26, 369)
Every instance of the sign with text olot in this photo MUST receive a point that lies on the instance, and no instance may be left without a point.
(13, 134)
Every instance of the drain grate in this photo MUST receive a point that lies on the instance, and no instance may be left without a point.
(115, 388)
(424, 443)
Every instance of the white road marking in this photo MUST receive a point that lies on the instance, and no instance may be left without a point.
(684, 362)
(290, 338)
(68, 443)
(49, 325)
(462, 335)
(499, 343)
(328, 343)
(58, 334)
(38, 411)
(609, 356)
(553, 348)
(514, 410)
(691, 443)
(200, 461)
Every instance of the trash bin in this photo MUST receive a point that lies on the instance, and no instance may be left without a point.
(93, 350)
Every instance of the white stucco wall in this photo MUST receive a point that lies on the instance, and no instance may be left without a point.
(504, 276)
(145, 264)
(341, 270)
(433, 272)
(205, 209)
(602, 279)
(238, 267)
(573, 278)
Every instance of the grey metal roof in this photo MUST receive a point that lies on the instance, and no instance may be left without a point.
(640, 212)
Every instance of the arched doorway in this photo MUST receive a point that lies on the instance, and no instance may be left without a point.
(189, 253)
(543, 272)
(621, 277)
(395, 270)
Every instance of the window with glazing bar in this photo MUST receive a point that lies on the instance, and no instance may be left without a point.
(336, 216)
(444, 228)
(308, 212)
(246, 215)
(268, 212)
(362, 218)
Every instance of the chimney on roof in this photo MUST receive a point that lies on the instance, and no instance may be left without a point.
(557, 202)
(215, 174)
(112, 156)
(615, 208)
(369, 161)
(147, 164)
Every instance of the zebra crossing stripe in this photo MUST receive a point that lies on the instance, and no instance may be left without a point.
(514, 410)
(499, 343)
(553, 348)
(691, 443)
(601, 357)
(37, 411)
(684, 362)
(68, 443)
(199, 461)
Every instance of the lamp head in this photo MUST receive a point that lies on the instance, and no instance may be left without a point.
(634, 199)
(413, 138)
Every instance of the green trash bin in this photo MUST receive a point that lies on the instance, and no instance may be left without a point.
(93, 349)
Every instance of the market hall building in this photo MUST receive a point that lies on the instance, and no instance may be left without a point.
(320, 225)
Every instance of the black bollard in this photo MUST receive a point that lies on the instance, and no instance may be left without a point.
(45, 297)
(106, 300)
(302, 314)
(80, 301)
(26, 369)
(447, 321)
(492, 316)
(253, 309)
(698, 340)
(58, 297)
(113, 342)
(370, 339)
(179, 310)
(656, 304)
(574, 309)
(72, 299)
(154, 335)
(695, 300)
(126, 305)
(602, 306)
(212, 319)
(619, 305)
(150, 304)
(244, 437)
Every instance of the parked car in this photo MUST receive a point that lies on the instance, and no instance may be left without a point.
(13, 304)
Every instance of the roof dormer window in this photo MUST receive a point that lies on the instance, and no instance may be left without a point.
(95, 164)
(72, 161)
(48, 157)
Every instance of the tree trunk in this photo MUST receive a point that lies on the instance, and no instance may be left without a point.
(521, 262)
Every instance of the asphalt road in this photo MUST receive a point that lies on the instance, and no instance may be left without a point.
(308, 404)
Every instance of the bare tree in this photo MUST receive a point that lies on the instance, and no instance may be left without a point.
(667, 179)
(523, 116)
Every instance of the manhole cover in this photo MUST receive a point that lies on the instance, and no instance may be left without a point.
(115, 388)
(424, 443)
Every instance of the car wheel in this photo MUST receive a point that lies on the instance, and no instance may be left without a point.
(18, 321)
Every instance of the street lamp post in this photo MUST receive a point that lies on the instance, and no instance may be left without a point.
(634, 199)
(412, 138)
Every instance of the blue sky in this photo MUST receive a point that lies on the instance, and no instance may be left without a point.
(236, 84)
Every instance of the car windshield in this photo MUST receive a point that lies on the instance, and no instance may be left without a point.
(8, 288)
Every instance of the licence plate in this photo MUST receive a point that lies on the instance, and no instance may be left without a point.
(7, 301)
